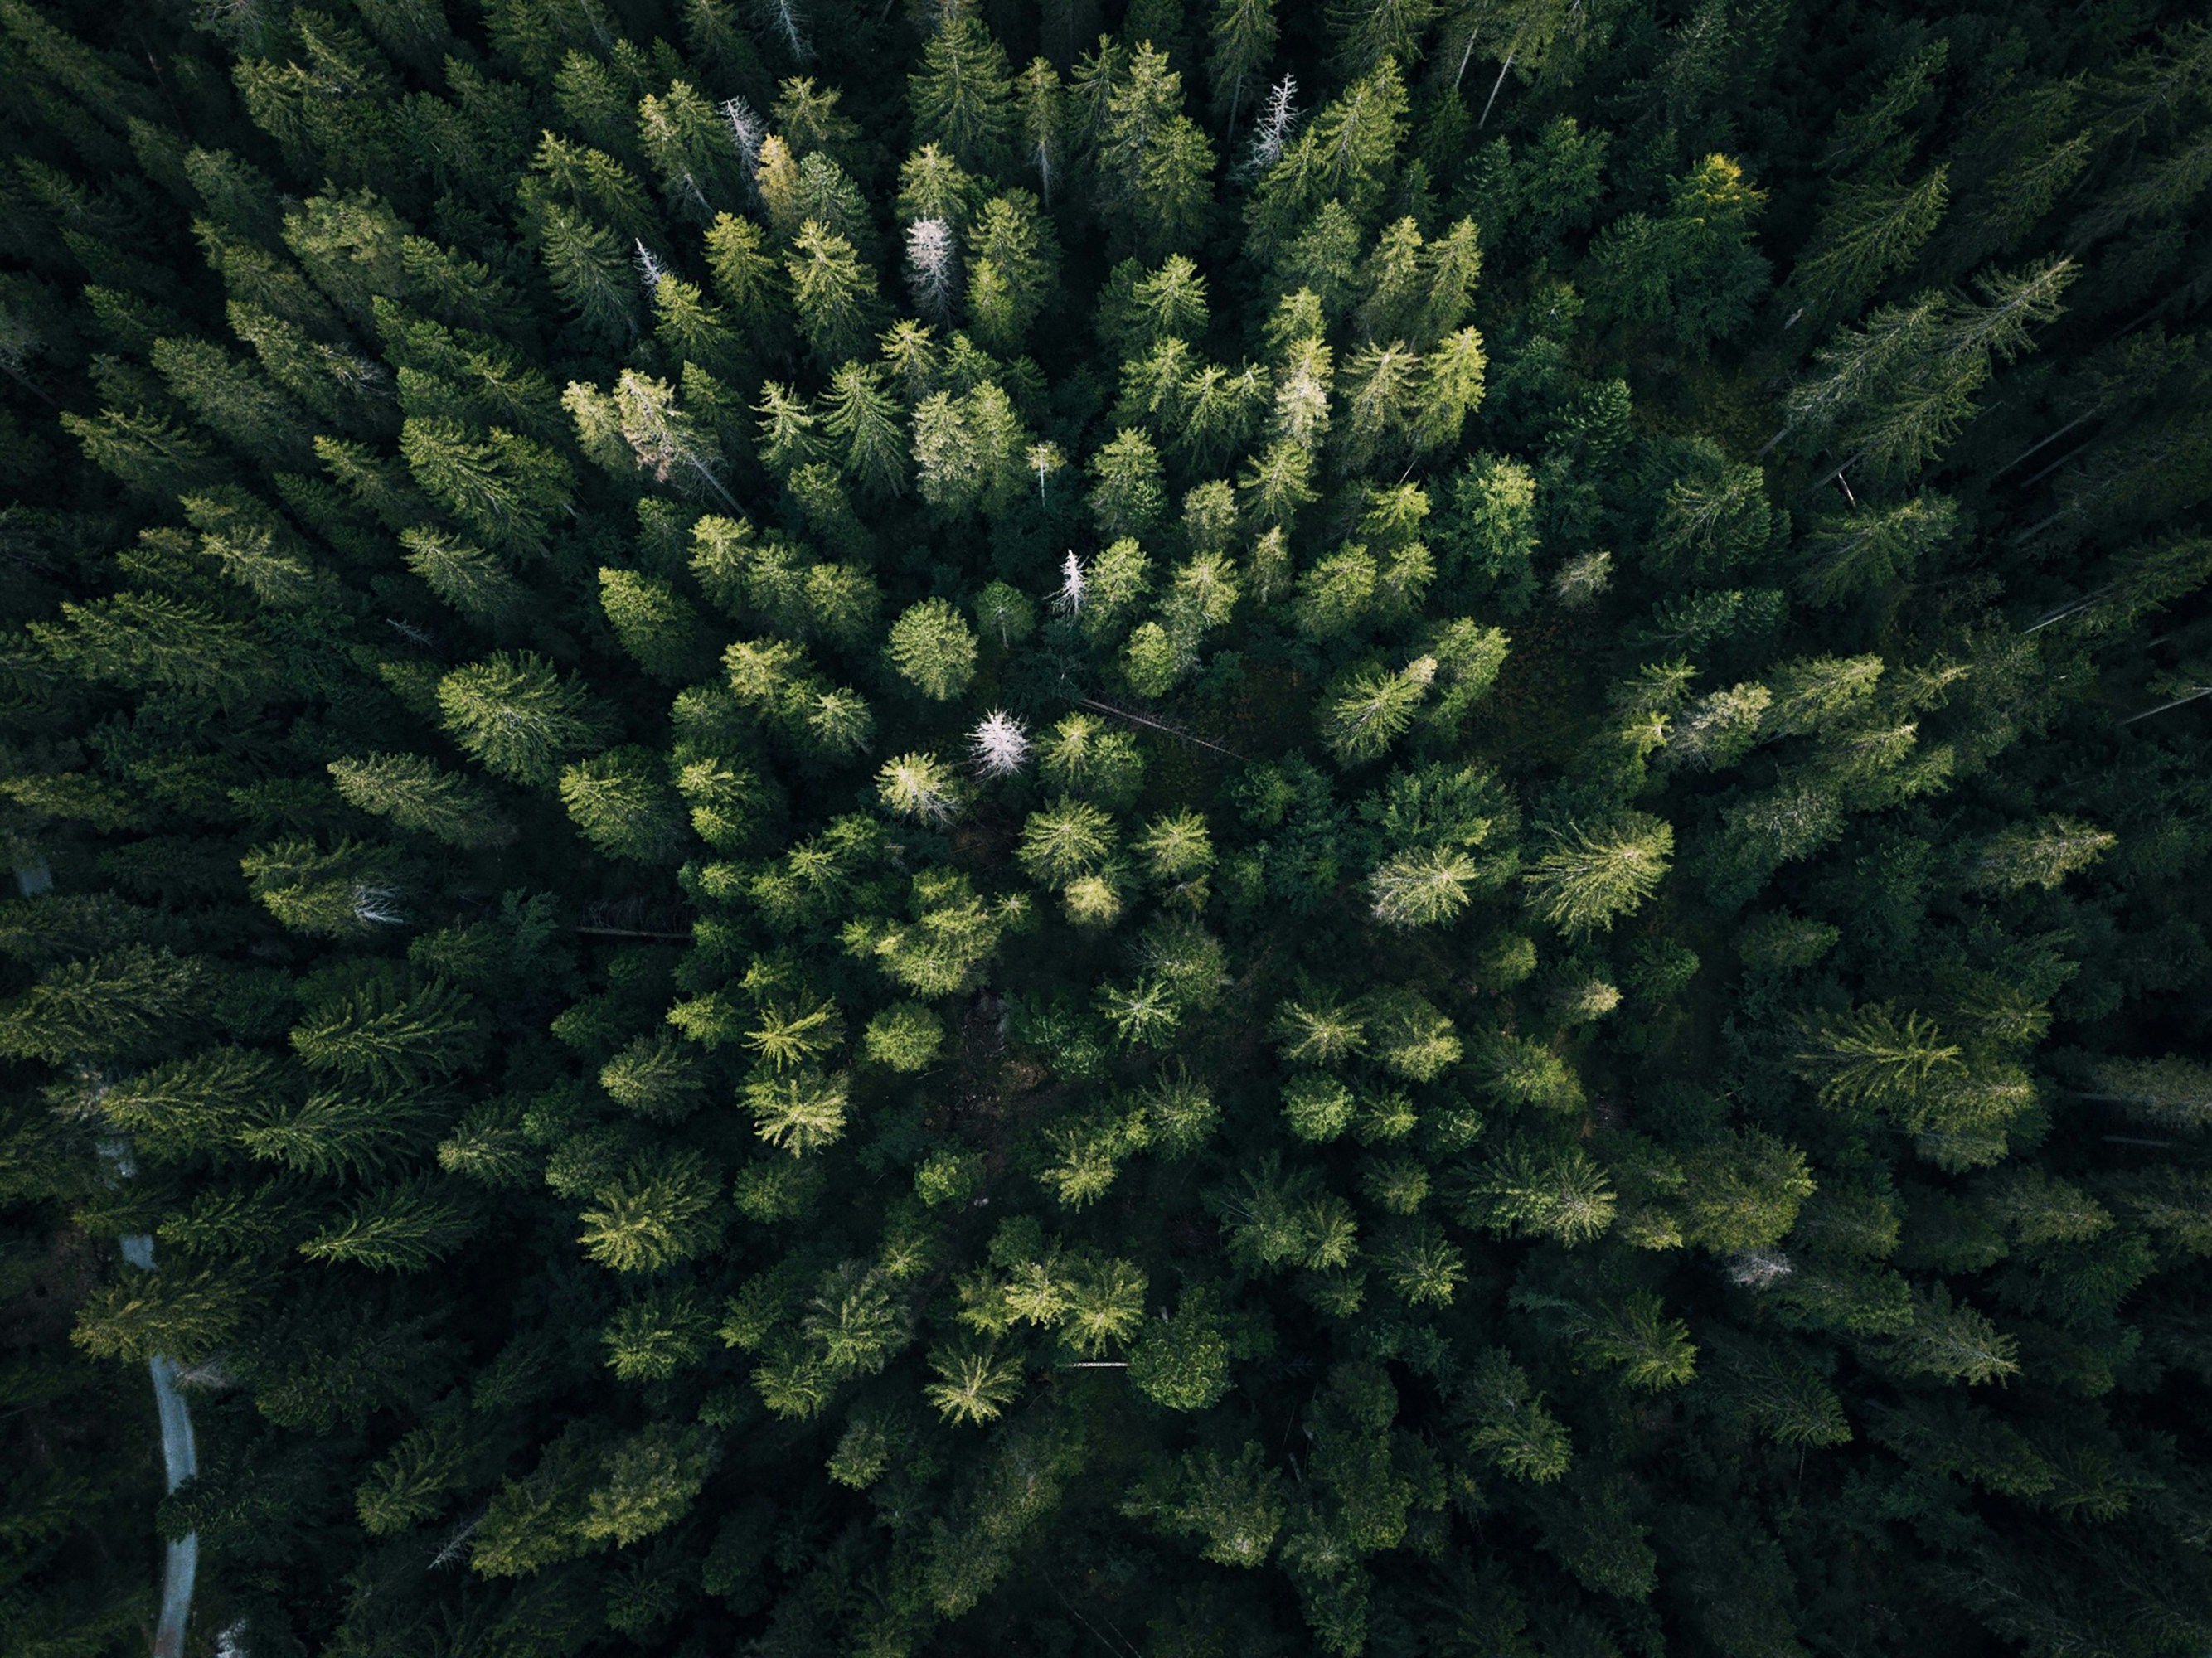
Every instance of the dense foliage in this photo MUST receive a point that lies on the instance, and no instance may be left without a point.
(1226, 829)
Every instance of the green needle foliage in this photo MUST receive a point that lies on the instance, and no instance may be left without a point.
(1213, 828)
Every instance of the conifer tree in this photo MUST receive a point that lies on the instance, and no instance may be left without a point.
(779, 861)
(622, 804)
(932, 645)
(960, 98)
(1245, 33)
(1011, 267)
(505, 486)
(1153, 163)
(832, 293)
(1126, 494)
(1041, 104)
(416, 795)
(1592, 876)
(515, 715)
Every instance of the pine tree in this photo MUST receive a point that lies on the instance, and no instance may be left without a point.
(1232, 1510)
(1146, 994)
(1067, 841)
(1950, 1339)
(1368, 35)
(688, 143)
(183, 1315)
(962, 97)
(657, 625)
(590, 271)
(906, 1037)
(2041, 855)
(694, 329)
(933, 647)
(502, 486)
(973, 1387)
(642, 424)
(1153, 163)
(1345, 154)
(1873, 1058)
(800, 1113)
(1694, 269)
(1452, 389)
(1013, 266)
(933, 267)
(1374, 708)
(230, 397)
(969, 451)
(351, 888)
(921, 786)
(832, 293)
(1126, 494)
(112, 1005)
(861, 414)
(933, 186)
(748, 279)
(622, 803)
(1916, 417)
(1042, 139)
(334, 383)
(1849, 554)
(1383, 401)
(659, 1211)
(516, 716)
(1245, 33)
(1592, 876)
(403, 1228)
(1870, 231)
(380, 1036)
(1912, 375)
(475, 582)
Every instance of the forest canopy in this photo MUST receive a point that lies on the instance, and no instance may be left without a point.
(1205, 828)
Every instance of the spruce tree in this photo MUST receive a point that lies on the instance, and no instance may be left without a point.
(818, 811)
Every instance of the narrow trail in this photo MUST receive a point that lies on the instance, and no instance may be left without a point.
(179, 1455)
